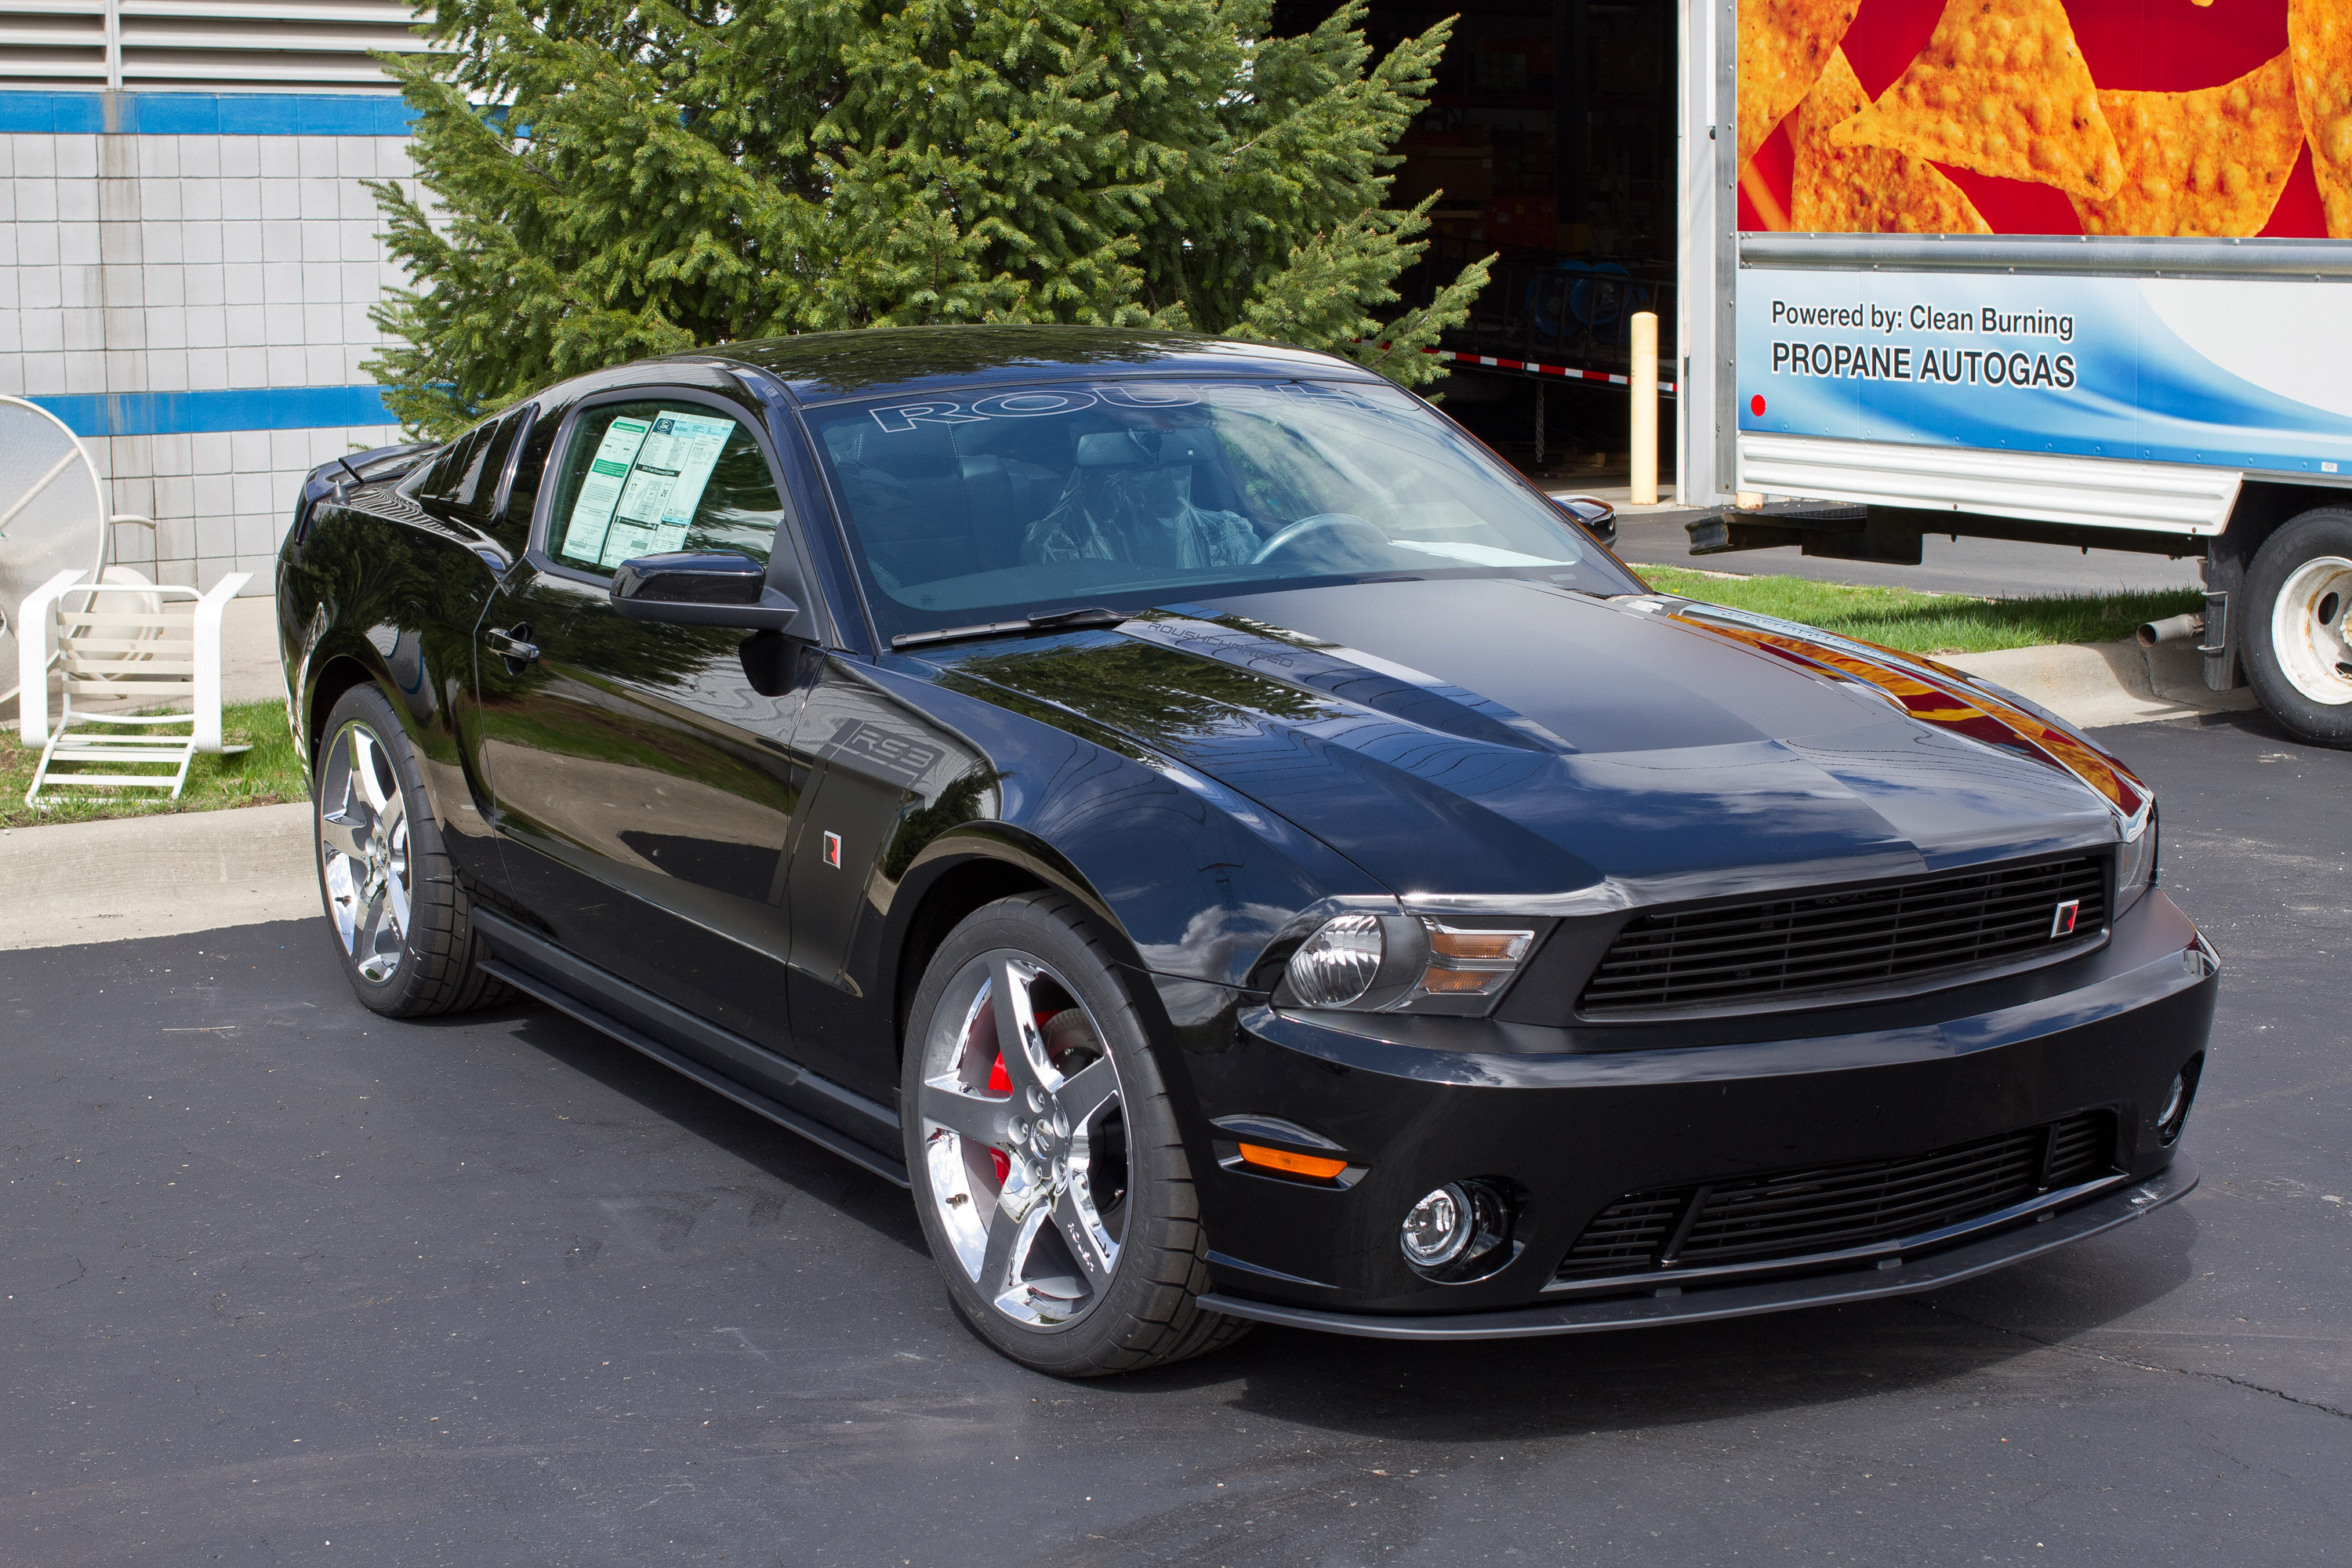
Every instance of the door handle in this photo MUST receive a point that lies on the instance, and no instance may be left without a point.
(513, 645)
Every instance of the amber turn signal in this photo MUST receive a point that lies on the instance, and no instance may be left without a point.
(1485, 946)
(1472, 963)
(1316, 1166)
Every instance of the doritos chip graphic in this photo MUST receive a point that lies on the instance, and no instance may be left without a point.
(1784, 44)
(1865, 190)
(2206, 163)
(2000, 89)
(2319, 43)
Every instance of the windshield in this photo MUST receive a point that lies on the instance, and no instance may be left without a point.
(975, 506)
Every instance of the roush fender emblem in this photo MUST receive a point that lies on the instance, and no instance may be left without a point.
(832, 859)
(2062, 920)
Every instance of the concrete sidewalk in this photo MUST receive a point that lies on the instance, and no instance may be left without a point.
(2092, 685)
(155, 876)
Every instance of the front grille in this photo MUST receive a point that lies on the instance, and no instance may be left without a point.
(2081, 1147)
(1733, 954)
(1798, 1213)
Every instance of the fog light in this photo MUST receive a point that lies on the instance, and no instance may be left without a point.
(2175, 1114)
(1437, 1229)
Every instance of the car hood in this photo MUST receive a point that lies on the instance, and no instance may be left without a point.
(1462, 739)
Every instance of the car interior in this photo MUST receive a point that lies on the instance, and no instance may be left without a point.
(962, 511)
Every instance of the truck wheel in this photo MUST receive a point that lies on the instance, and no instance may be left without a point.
(2293, 637)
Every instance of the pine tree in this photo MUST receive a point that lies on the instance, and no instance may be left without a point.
(650, 177)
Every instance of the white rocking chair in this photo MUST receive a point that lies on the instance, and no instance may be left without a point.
(141, 644)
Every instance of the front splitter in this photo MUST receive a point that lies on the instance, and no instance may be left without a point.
(1704, 1305)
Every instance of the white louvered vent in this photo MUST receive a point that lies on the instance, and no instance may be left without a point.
(161, 46)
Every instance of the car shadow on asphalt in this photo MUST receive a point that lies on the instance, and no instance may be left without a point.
(662, 1091)
(2120, 738)
(1965, 1337)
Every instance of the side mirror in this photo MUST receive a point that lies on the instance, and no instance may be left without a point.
(1595, 516)
(695, 590)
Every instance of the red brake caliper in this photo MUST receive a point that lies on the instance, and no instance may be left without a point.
(1000, 1082)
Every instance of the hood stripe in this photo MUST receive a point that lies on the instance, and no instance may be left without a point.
(1979, 715)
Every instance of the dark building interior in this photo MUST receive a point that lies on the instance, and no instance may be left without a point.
(1549, 137)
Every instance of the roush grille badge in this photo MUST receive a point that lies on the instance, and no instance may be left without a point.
(2061, 920)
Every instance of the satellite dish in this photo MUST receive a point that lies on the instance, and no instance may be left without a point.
(53, 515)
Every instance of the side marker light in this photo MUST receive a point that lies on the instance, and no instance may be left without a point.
(1316, 1166)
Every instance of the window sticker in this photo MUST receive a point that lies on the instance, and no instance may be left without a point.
(592, 515)
(665, 484)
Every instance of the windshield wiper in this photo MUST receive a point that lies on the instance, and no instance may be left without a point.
(1051, 620)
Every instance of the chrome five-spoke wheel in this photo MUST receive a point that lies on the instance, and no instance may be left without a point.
(1023, 1140)
(363, 852)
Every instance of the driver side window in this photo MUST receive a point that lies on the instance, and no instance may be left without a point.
(658, 476)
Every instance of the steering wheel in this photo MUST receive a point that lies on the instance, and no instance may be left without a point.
(1344, 525)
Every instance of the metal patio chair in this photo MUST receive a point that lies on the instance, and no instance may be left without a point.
(129, 645)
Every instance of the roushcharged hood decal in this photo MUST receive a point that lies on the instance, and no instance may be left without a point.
(1482, 737)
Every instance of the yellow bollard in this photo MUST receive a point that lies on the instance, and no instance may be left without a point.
(1644, 377)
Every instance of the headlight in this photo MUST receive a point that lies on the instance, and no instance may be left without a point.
(2136, 860)
(1402, 963)
(1340, 962)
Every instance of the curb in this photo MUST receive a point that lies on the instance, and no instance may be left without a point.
(167, 875)
(2092, 685)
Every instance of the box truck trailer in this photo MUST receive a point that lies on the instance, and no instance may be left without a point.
(2072, 271)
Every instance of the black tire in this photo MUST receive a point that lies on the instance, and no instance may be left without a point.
(2301, 704)
(432, 961)
(1146, 1313)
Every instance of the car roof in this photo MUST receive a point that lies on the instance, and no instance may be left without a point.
(823, 367)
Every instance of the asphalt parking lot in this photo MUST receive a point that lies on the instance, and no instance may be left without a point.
(287, 1283)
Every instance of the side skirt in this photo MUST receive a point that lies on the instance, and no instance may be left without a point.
(608, 1004)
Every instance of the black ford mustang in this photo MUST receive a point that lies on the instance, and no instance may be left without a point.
(1227, 843)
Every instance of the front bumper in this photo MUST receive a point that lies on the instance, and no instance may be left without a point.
(1895, 1277)
(1571, 1132)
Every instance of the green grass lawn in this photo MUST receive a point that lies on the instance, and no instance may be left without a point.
(267, 775)
(1929, 623)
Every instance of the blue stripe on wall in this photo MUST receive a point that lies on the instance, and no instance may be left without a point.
(210, 413)
(209, 113)
(64, 113)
